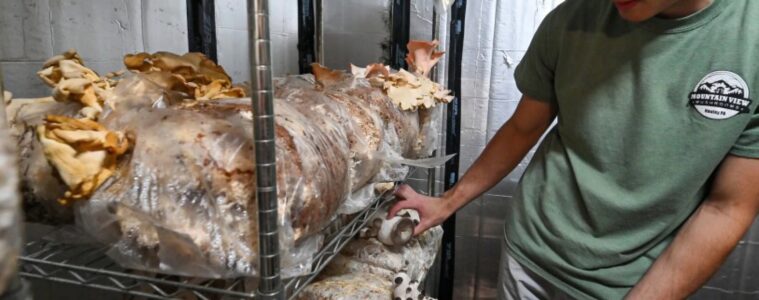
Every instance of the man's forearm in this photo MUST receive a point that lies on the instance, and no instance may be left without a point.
(696, 253)
(501, 155)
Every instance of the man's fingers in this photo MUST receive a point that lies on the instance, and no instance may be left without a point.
(421, 228)
(404, 192)
(401, 205)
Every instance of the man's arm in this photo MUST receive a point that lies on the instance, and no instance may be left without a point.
(507, 148)
(708, 236)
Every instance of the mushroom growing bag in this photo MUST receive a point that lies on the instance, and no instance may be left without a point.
(159, 164)
(10, 208)
(182, 201)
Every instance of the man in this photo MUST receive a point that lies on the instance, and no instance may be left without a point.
(650, 177)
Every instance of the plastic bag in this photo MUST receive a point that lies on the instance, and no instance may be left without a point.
(10, 208)
(428, 141)
(363, 126)
(383, 135)
(182, 202)
(175, 205)
(358, 200)
(405, 124)
(188, 209)
(399, 129)
(40, 184)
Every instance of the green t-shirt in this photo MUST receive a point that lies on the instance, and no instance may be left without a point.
(646, 113)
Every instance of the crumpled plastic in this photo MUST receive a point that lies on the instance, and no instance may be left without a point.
(385, 134)
(41, 186)
(180, 201)
(415, 258)
(10, 208)
(362, 126)
(83, 152)
(400, 130)
(428, 140)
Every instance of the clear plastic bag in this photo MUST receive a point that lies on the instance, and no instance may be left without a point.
(383, 135)
(181, 203)
(400, 129)
(404, 124)
(428, 141)
(358, 200)
(363, 125)
(175, 205)
(40, 185)
(10, 208)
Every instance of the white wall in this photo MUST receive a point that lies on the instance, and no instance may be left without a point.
(102, 31)
(354, 32)
(232, 37)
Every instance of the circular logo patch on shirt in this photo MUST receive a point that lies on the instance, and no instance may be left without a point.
(721, 95)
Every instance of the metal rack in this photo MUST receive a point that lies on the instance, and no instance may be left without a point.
(89, 266)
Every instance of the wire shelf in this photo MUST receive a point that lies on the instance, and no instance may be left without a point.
(88, 266)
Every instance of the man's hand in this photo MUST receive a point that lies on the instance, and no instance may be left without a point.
(507, 148)
(432, 211)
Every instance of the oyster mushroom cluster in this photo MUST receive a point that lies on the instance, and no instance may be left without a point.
(410, 90)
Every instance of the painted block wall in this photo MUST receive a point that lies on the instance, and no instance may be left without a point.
(102, 31)
(232, 37)
(354, 32)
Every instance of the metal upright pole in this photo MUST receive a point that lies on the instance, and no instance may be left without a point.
(452, 140)
(2, 99)
(400, 14)
(270, 283)
(307, 44)
(432, 172)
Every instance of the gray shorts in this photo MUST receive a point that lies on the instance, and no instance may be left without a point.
(518, 283)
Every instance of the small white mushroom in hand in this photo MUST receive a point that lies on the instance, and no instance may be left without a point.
(396, 231)
(371, 229)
